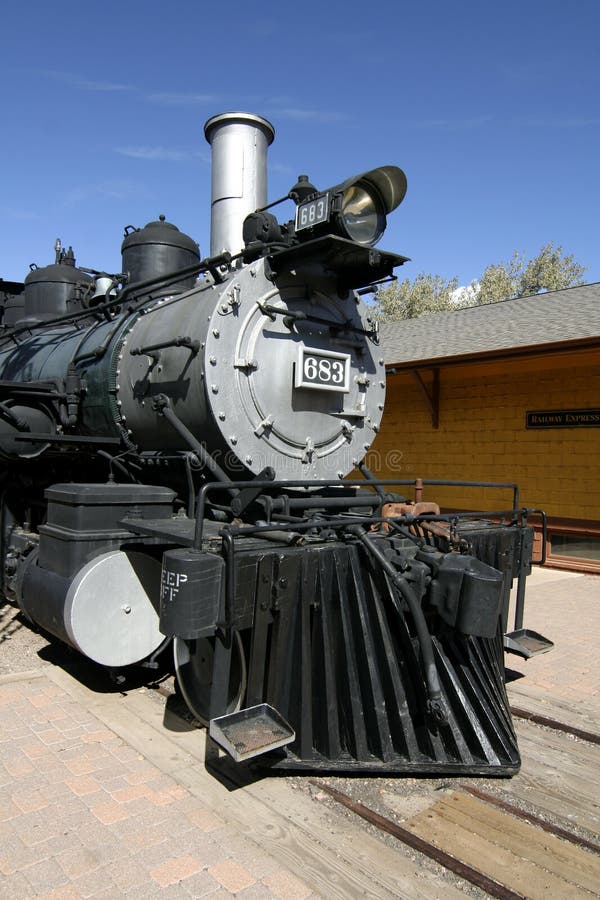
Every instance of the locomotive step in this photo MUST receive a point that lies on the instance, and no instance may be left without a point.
(251, 732)
(526, 643)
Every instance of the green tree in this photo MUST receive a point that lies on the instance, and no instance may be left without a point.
(500, 281)
(408, 299)
(550, 270)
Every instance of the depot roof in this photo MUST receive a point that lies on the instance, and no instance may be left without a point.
(549, 322)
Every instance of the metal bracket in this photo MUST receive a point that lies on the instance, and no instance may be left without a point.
(150, 349)
(309, 451)
(246, 364)
(247, 495)
(431, 393)
(265, 425)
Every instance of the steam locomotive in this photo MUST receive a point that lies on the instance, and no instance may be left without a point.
(176, 442)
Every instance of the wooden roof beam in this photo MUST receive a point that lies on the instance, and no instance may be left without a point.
(431, 392)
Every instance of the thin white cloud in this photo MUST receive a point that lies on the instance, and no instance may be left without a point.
(84, 84)
(466, 295)
(111, 190)
(532, 121)
(166, 98)
(100, 86)
(8, 212)
(268, 102)
(159, 154)
(280, 168)
(556, 121)
(454, 124)
(279, 107)
(311, 115)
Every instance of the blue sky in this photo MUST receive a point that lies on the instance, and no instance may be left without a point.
(492, 109)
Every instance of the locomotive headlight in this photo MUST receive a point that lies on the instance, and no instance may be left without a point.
(361, 215)
(355, 209)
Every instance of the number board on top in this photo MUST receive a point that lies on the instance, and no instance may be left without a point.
(312, 212)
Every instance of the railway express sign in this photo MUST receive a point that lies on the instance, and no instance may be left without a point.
(563, 418)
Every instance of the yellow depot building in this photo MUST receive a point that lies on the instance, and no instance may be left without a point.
(508, 392)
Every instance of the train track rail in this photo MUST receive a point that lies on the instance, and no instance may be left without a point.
(504, 850)
(460, 868)
(533, 819)
(553, 872)
(555, 725)
(493, 844)
(464, 836)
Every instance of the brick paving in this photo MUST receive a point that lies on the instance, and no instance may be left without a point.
(82, 814)
(564, 607)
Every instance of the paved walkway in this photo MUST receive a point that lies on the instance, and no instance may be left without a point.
(85, 813)
(564, 607)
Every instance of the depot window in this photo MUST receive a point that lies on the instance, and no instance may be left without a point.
(574, 548)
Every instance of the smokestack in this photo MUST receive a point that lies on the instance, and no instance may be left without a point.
(239, 143)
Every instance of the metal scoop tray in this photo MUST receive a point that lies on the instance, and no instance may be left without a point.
(527, 643)
(251, 732)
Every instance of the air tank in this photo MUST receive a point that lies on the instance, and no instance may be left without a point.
(55, 290)
(157, 250)
(12, 302)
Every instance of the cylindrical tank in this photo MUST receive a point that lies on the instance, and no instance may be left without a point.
(12, 301)
(241, 390)
(236, 375)
(239, 143)
(55, 290)
(107, 610)
(156, 250)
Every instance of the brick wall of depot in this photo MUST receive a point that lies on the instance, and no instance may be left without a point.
(482, 435)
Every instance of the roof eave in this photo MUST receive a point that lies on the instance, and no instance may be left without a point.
(553, 347)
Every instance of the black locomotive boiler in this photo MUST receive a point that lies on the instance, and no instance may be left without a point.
(175, 444)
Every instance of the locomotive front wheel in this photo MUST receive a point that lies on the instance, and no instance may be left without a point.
(194, 671)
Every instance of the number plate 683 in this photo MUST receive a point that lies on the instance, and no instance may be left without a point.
(322, 369)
